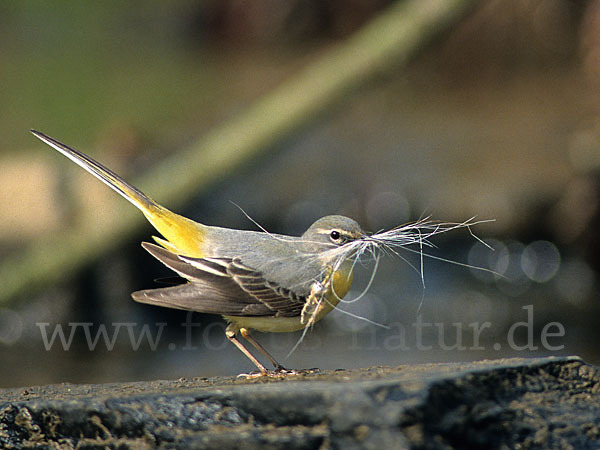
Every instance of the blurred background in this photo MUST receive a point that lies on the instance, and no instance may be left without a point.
(497, 117)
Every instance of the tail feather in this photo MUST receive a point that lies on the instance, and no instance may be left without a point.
(182, 234)
(104, 174)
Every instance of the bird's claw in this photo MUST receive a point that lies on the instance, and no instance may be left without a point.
(278, 372)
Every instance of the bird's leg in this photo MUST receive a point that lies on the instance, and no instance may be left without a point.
(230, 333)
(245, 332)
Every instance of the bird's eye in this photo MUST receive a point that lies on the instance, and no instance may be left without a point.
(335, 236)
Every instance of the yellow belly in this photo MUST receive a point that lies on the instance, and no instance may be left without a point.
(266, 324)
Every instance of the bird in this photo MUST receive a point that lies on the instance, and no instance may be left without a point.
(256, 280)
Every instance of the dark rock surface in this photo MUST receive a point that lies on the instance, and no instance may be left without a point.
(511, 403)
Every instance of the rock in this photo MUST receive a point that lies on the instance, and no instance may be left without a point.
(525, 403)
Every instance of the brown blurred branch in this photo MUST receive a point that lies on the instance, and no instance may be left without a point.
(386, 42)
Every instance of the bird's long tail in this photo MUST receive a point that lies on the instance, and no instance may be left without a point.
(183, 235)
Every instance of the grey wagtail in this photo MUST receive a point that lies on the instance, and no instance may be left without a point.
(255, 280)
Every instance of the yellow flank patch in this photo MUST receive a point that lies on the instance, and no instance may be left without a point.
(319, 303)
(342, 280)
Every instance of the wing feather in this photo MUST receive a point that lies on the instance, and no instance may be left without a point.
(220, 286)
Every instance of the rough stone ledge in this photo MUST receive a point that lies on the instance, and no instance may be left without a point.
(510, 403)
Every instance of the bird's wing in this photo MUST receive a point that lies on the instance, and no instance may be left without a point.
(220, 286)
(286, 302)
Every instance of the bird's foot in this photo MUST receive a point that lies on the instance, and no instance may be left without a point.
(282, 370)
(267, 373)
(278, 372)
(252, 375)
